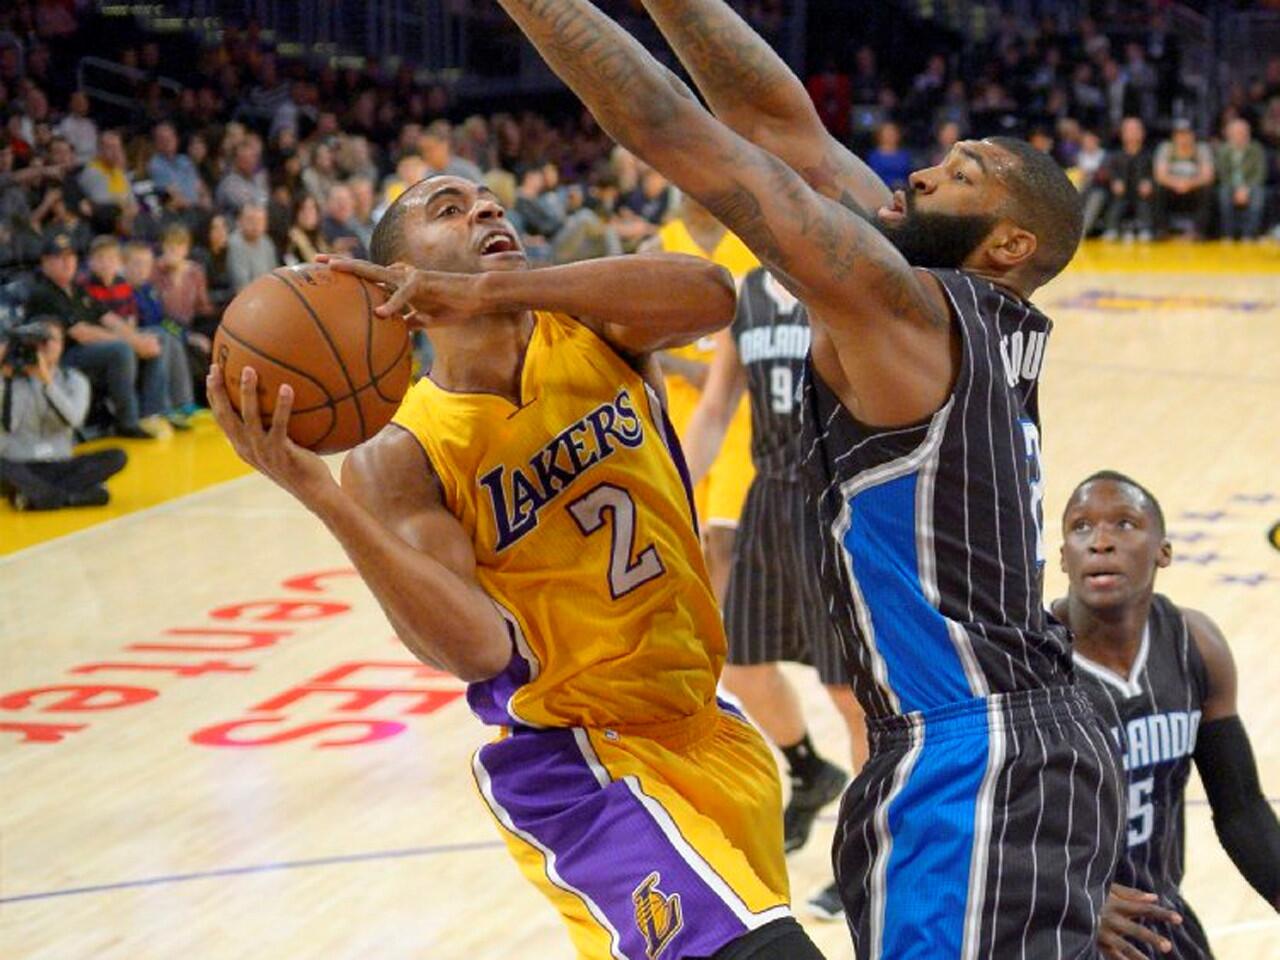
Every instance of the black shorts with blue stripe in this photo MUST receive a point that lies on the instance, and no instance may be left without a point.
(988, 828)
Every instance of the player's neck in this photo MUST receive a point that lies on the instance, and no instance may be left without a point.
(484, 355)
(1110, 637)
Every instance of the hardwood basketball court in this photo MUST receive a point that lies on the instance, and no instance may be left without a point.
(213, 747)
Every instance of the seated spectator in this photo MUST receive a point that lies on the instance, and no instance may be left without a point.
(178, 401)
(1184, 181)
(362, 198)
(246, 182)
(533, 217)
(78, 128)
(99, 343)
(106, 182)
(43, 405)
(321, 174)
(1089, 174)
(250, 252)
(1242, 174)
(213, 257)
(409, 170)
(889, 160)
(1129, 173)
(436, 148)
(948, 136)
(339, 227)
(113, 293)
(170, 170)
(651, 200)
(305, 238)
(184, 293)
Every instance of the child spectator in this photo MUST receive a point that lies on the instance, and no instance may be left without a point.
(178, 403)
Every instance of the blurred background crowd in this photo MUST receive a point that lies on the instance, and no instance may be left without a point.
(156, 160)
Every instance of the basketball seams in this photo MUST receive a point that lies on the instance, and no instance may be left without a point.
(370, 323)
(346, 375)
(330, 403)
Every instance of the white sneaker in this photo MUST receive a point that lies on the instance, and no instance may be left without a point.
(157, 426)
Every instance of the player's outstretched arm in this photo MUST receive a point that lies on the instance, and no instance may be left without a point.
(639, 303)
(389, 518)
(726, 383)
(1243, 819)
(750, 88)
(889, 323)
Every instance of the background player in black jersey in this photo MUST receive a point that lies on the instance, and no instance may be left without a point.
(774, 609)
(985, 821)
(1164, 682)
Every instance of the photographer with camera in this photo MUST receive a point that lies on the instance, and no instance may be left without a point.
(41, 405)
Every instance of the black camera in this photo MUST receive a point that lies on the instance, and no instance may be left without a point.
(24, 343)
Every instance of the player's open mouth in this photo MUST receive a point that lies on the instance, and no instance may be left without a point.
(894, 211)
(499, 242)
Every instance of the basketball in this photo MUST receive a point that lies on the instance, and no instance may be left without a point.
(314, 328)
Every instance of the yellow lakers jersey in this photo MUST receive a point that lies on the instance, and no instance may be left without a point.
(730, 253)
(584, 537)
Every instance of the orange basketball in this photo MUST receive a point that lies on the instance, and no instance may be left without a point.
(314, 328)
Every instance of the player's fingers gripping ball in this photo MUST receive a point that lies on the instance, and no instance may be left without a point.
(316, 329)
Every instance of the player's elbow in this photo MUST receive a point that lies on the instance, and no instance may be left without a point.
(719, 297)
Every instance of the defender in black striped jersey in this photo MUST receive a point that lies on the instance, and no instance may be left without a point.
(986, 821)
(774, 609)
(1164, 683)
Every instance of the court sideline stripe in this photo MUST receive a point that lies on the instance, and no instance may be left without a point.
(261, 868)
(165, 507)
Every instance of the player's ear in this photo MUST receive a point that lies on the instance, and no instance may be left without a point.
(1010, 245)
(1165, 556)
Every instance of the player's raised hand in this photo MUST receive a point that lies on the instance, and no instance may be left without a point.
(1121, 925)
(425, 298)
(296, 469)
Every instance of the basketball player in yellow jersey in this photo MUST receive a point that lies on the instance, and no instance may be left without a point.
(526, 525)
(719, 496)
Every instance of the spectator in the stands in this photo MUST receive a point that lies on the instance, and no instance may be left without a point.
(99, 343)
(436, 148)
(321, 174)
(184, 291)
(44, 404)
(106, 182)
(362, 198)
(339, 227)
(214, 256)
(865, 83)
(891, 162)
(1131, 178)
(78, 127)
(832, 96)
(1242, 174)
(1089, 174)
(170, 170)
(177, 402)
(246, 182)
(531, 214)
(305, 238)
(1184, 181)
(250, 252)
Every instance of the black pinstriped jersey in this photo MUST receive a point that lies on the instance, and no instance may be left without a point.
(932, 534)
(771, 332)
(1153, 716)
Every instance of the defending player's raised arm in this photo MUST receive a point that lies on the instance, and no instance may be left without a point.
(857, 286)
(726, 383)
(750, 88)
(1245, 823)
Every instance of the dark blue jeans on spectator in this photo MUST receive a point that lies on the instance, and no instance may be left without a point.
(112, 366)
(1244, 222)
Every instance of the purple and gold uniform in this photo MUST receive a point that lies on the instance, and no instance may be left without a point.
(646, 810)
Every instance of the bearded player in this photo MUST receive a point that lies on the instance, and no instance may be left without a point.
(986, 821)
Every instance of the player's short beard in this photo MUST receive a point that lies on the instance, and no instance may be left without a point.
(941, 240)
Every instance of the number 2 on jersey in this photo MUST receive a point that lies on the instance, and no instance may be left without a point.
(626, 571)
